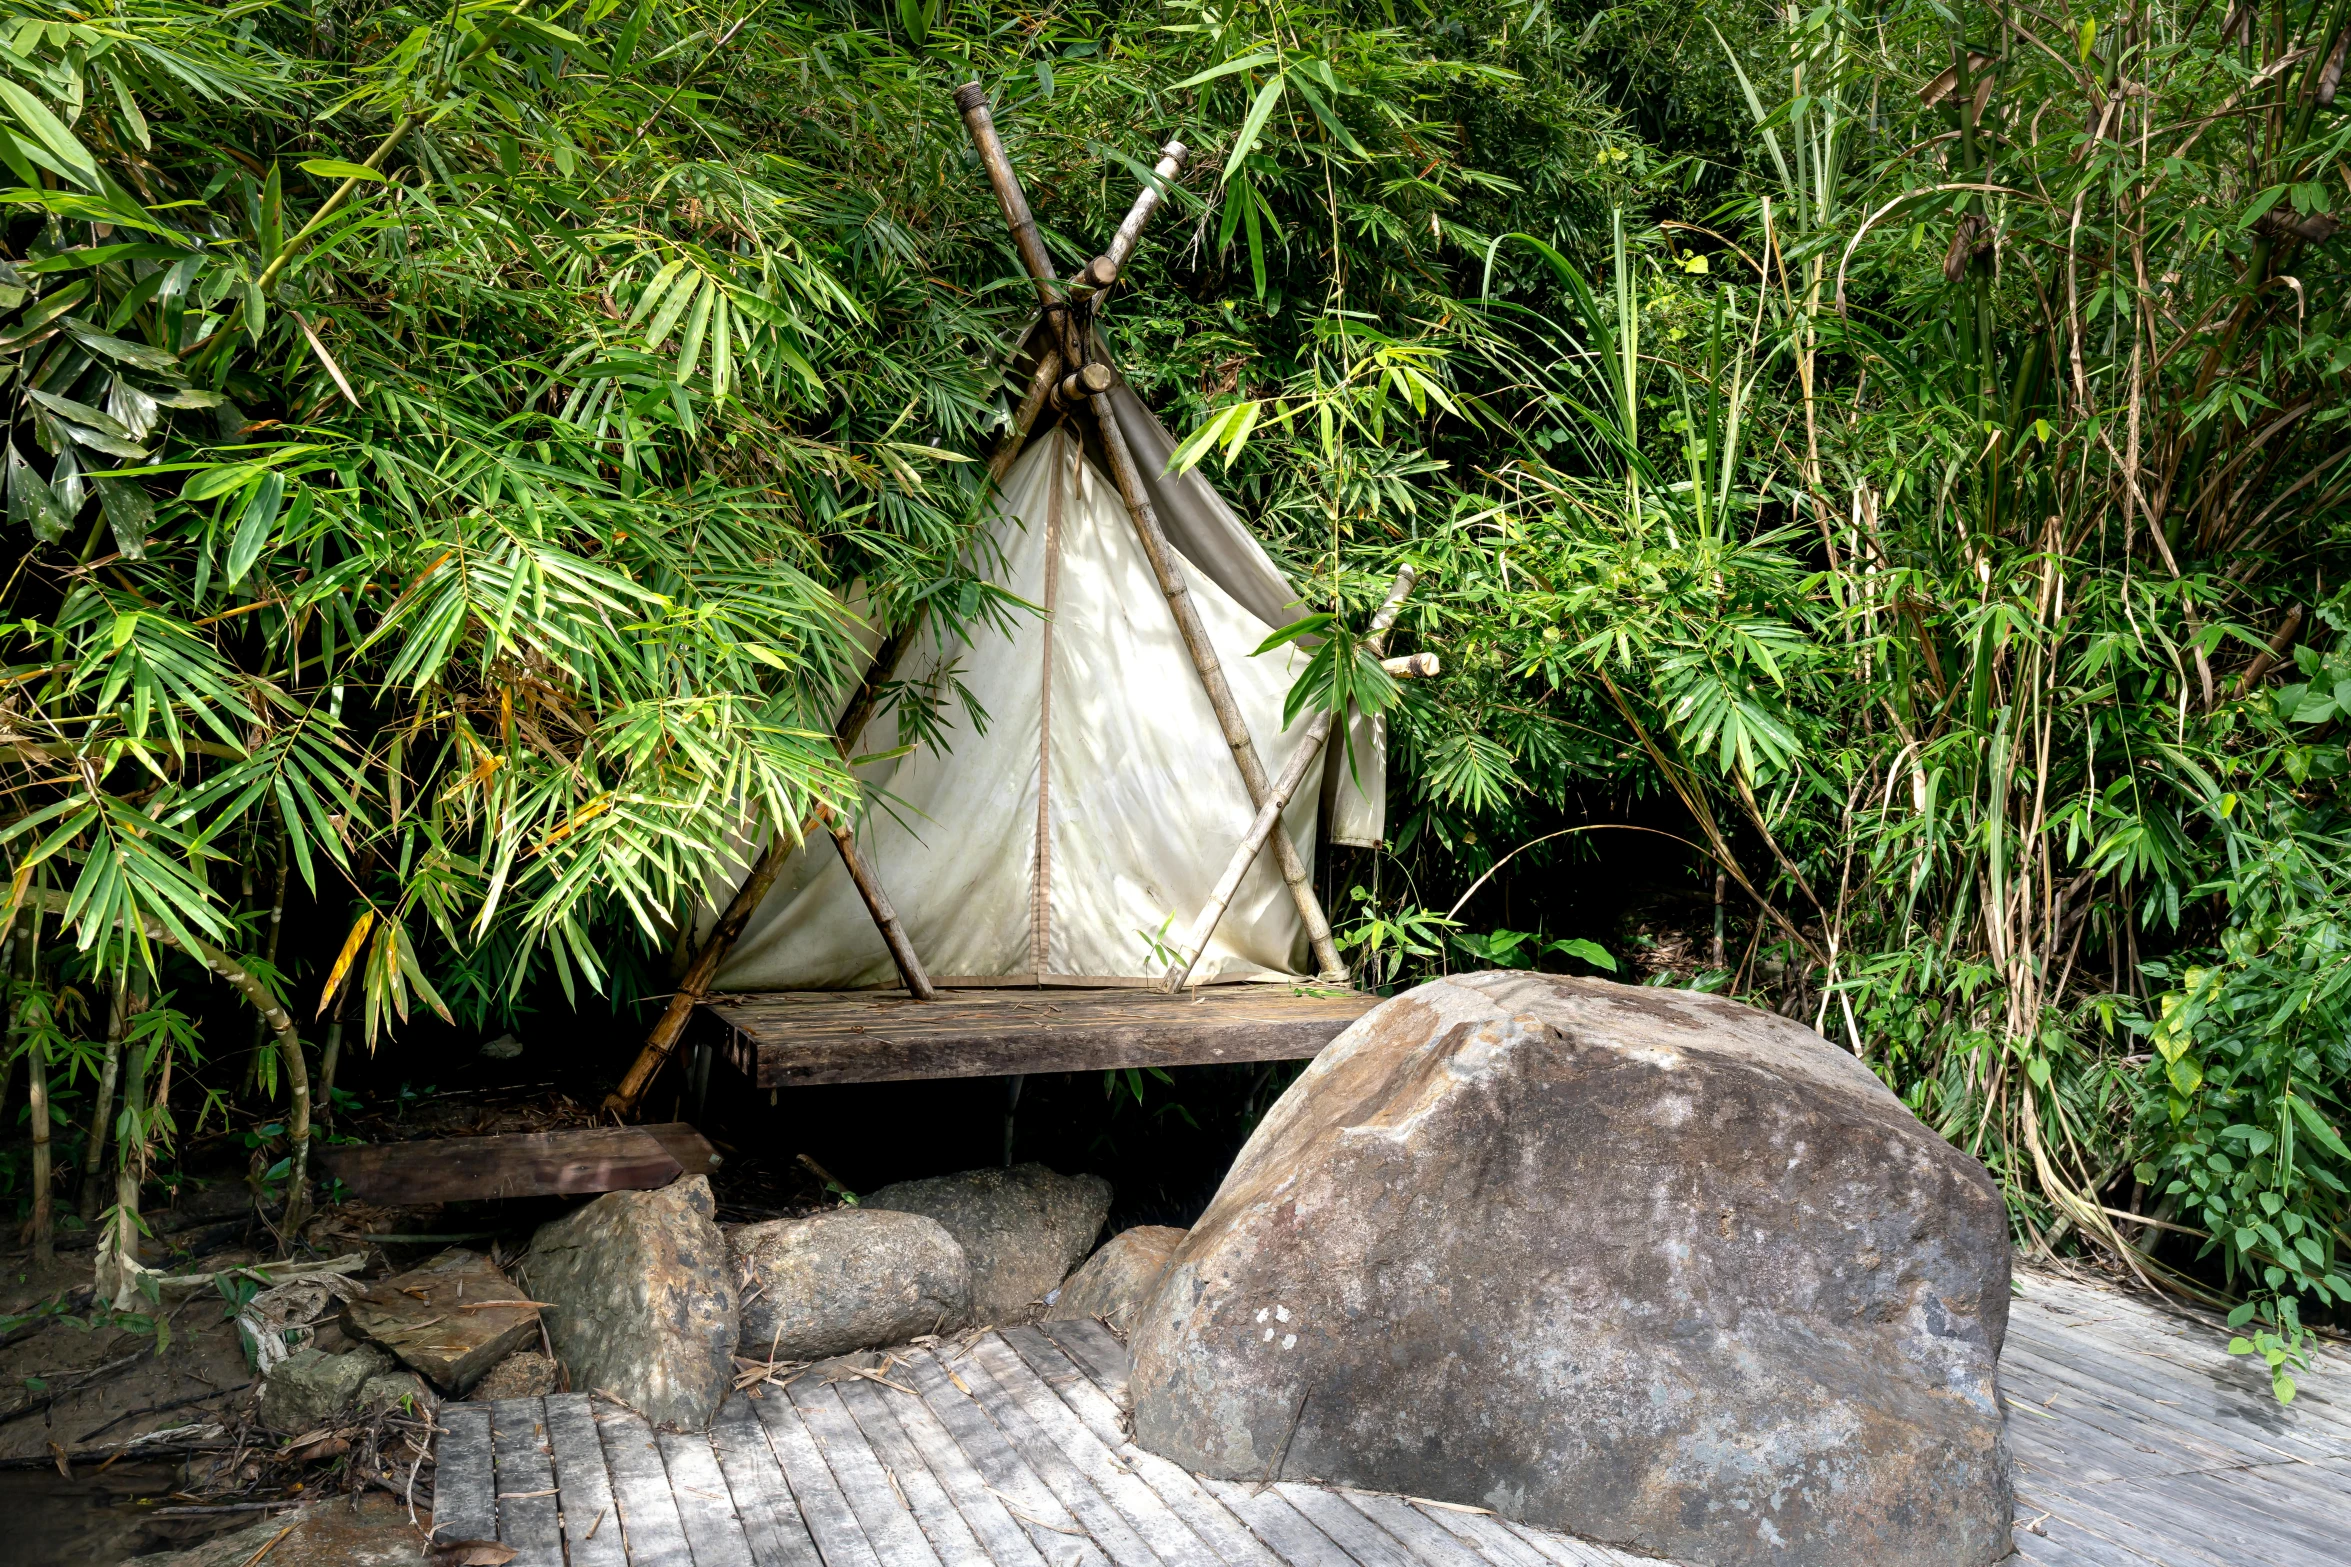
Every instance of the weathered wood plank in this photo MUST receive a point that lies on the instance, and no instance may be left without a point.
(788, 1038)
(525, 1477)
(840, 1540)
(772, 1525)
(1290, 1533)
(2182, 1415)
(1035, 1459)
(1487, 1534)
(576, 1161)
(1086, 1403)
(706, 1504)
(951, 1536)
(591, 1528)
(985, 1502)
(1364, 1542)
(1562, 1549)
(651, 1531)
(1024, 1397)
(1097, 1352)
(1409, 1527)
(464, 1507)
(2121, 1515)
(873, 1494)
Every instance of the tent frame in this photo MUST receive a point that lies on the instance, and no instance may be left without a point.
(1073, 372)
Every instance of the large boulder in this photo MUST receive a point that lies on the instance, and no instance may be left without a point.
(1023, 1229)
(641, 1301)
(1118, 1279)
(854, 1278)
(1651, 1266)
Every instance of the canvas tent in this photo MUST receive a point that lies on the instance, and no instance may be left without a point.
(1088, 834)
(1077, 836)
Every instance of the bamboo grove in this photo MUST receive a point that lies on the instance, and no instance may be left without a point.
(1898, 453)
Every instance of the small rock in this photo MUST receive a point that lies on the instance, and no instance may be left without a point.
(642, 1298)
(307, 1390)
(1118, 1279)
(434, 1318)
(396, 1390)
(1023, 1229)
(854, 1278)
(504, 1048)
(524, 1374)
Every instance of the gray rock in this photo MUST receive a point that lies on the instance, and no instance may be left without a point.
(643, 1300)
(854, 1278)
(1650, 1266)
(524, 1374)
(1118, 1279)
(307, 1389)
(396, 1390)
(1023, 1229)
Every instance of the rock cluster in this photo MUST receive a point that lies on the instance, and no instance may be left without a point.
(849, 1279)
(1022, 1229)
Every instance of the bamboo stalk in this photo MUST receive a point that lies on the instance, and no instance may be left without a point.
(972, 99)
(85, 1199)
(26, 962)
(1024, 418)
(877, 904)
(1212, 680)
(1269, 812)
(1130, 232)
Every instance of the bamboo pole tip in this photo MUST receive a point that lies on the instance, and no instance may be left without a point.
(970, 96)
(1175, 152)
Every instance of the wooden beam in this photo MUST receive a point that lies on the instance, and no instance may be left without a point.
(972, 99)
(576, 1162)
(1269, 811)
(782, 1039)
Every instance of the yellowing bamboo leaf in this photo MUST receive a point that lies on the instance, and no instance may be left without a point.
(343, 960)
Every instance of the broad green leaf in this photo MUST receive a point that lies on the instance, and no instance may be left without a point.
(338, 169)
(254, 525)
(1259, 112)
(1247, 62)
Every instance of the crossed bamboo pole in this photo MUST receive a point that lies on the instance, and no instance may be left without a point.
(1093, 392)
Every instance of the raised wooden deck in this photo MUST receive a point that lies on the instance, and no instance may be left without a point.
(2139, 1443)
(784, 1038)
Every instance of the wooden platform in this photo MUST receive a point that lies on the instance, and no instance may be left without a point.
(783, 1038)
(2139, 1443)
(576, 1161)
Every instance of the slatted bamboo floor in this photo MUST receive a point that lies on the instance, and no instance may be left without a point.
(2138, 1441)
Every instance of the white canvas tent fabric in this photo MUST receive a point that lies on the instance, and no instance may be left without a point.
(1096, 709)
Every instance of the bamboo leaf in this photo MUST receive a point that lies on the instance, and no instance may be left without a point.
(1259, 112)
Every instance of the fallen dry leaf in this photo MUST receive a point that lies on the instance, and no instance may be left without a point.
(473, 1553)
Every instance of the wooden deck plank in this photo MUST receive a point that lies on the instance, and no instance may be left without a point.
(2118, 1514)
(1097, 1352)
(972, 1435)
(650, 1529)
(528, 1512)
(772, 1526)
(873, 1495)
(1077, 1496)
(1202, 1513)
(1010, 1542)
(591, 1528)
(1485, 1533)
(2175, 1416)
(463, 1490)
(784, 1038)
(1288, 1532)
(1113, 1472)
(706, 1504)
(1363, 1541)
(1409, 1527)
(943, 1523)
(2279, 1518)
(831, 1523)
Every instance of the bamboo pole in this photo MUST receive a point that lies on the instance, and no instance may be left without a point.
(972, 100)
(1104, 270)
(1269, 813)
(877, 904)
(1212, 679)
(671, 1025)
(85, 1200)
